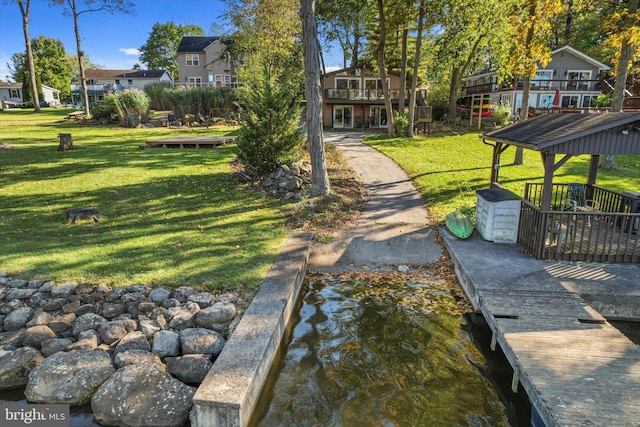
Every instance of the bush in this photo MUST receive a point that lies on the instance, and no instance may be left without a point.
(400, 123)
(105, 111)
(131, 102)
(155, 93)
(270, 134)
(603, 101)
(501, 114)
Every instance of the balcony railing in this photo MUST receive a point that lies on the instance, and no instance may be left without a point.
(564, 85)
(609, 234)
(360, 94)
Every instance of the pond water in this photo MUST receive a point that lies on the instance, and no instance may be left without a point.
(377, 351)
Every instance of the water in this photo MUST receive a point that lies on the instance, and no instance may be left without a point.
(379, 351)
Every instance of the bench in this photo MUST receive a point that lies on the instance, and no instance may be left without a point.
(76, 115)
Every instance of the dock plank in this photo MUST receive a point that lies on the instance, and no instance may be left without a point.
(211, 141)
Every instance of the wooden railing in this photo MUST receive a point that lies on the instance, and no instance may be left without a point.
(562, 84)
(609, 234)
(360, 94)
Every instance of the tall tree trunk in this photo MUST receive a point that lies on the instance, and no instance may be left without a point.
(25, 10)
(454, 86)
(526, 84)
(83, 78)
(414, 77)
(382, 67)
(609, 162)
(320, 185)
(403, 70)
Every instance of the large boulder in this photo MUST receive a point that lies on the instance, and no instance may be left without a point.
(220, 312)
(86, 322)
(190, 368)
(201, 341)
(134, 340)
(15, 367)
(34, 336)
(166, 343)
(142, 395)
(18, 319)
(69, 378)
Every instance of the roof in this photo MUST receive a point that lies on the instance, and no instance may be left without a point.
(125, 74)
(587, 58)
(195, 44)
(10, 85)
(598, 134)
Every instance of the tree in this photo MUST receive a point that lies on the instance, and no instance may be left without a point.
(160, 51)
(25, 10)
(382, 67)
(345, 21)
(71, 9)
(320, 185)
(626, 37)
(531, 24)
(416, 64)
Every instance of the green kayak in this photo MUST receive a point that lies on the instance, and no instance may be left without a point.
(459, 225)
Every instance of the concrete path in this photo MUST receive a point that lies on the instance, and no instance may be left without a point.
(394, 226)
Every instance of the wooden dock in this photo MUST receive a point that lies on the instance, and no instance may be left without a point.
(191, 141)
(577, 369)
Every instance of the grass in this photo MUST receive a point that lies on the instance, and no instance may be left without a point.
(448, 169)
(169, 216)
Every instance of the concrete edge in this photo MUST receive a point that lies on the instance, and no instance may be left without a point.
(230, 391)
(461, 273)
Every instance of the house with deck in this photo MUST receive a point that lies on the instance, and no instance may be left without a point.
(103, 82)
(571, 80)
(204, 61)
(353, 98)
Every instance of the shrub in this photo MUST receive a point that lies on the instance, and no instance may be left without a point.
(155, 93)
(603, 101)
(270, 134)
(105, 111)
(131, 102)
(501, 114)
(400, 123)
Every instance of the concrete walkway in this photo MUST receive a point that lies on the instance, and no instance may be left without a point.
(548, 317)
(394, 226)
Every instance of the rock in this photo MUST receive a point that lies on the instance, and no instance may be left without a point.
(72, 307)
(115, 330)
(16, 283)
(133, 296)
(111, 310)
(53, 304)
(190, 368)
(86, 322)
(19, 293)
(134, 340)
(62, 322)
(35, 335)
(36, 299)
(166, 343)
(54, 345)
(39, 318)
(148, 327)
(63, 290)
(201, 341)
(86, 308)
(69, 378)
(18, 319)
(159, 295)
(87, 340)
(220, 312)
(12, 338)
(203, 299)
(142, 395)
(15, 367)
(181, 318)
(183, 293)
(132, 357)
(115, 294)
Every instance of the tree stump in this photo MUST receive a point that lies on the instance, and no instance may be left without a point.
(66, 142)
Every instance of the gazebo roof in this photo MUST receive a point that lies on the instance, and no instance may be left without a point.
(596, 134)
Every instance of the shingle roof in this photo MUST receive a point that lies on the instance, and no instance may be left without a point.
(195, 44)
(605, 133)
(125, 74)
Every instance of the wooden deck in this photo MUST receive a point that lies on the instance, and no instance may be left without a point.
(577, 369)
(191, 141)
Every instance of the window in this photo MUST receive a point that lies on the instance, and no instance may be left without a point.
(129, 82)
(194, 81)
(589, 101)
(568, 101)
(342, 116)
(578, 79)
(118, 81)
(227, 79)
(193, 59)
(542, 79)
(14, 93)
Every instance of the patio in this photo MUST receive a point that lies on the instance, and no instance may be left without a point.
(608, 231)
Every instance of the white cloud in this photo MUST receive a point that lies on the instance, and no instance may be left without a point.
(129, 51)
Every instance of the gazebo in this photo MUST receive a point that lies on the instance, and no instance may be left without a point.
(552, 226)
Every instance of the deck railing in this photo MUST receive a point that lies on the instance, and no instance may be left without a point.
(360, 94)
(535, 85)
(609, 234)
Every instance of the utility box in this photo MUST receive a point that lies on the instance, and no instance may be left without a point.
(498, 215)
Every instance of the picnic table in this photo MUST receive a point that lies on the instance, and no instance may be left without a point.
(75, 115)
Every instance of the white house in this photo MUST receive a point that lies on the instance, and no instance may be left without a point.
(11, 95)
(102, 82)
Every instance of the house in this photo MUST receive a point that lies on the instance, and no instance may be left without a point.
(575, 78)
(11, 95)
(203, 61)
(102, 82)
(353, 98)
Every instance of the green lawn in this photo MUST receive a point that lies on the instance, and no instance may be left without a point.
(448, 169)
(170, 216)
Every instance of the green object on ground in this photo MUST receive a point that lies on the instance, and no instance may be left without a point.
(459, 225)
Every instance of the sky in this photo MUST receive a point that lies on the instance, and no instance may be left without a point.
(110, 41)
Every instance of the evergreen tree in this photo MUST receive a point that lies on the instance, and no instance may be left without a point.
(270, 134)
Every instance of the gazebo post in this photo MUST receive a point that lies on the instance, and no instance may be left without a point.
(593, 173)
(548, 160)
(495, 163)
